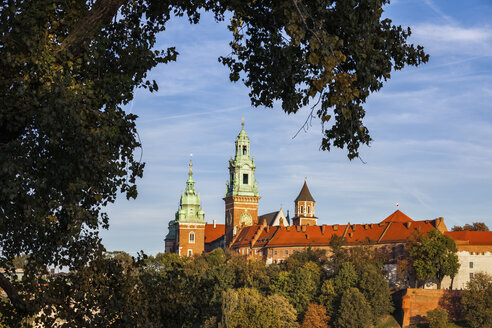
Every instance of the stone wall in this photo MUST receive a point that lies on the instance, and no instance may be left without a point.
(417, 302)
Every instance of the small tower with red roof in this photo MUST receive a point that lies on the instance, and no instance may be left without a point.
(304, 208)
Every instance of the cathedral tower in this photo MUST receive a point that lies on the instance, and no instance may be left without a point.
(304, 208)
(188, 228)
(241, 198)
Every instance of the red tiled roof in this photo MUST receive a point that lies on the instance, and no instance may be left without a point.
(385, 232)
(473, 237)
(398, 216)
(401, 231)
(212, 234)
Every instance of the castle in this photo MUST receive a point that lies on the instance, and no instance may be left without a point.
(273, 237)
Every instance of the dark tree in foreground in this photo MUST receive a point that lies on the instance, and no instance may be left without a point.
(67, 147)
(477, 301)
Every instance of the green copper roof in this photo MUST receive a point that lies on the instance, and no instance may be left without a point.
(189, 204)
(242, 169)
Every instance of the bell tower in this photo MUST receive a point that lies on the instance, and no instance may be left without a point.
(304, 208)
(188, 228)
(241, 198)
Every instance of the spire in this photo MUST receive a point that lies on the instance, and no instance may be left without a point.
(305, 194)
(242, 168)
(189, 205)
(190, 183)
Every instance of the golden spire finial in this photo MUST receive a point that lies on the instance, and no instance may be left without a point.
(242, 121)
(191, 165)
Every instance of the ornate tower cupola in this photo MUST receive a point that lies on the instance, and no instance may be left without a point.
(241, 198)
(304, 208)
(189, 223)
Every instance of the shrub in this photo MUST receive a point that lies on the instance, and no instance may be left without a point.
(438, 318)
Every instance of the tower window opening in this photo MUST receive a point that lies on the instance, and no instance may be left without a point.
(245, 179)
(192, 237)
(245, 150)
(309, 209)
(302, 209)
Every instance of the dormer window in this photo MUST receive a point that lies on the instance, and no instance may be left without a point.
(245, 150)
(245, 178)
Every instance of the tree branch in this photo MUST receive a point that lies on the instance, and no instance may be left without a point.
(13, 294)
(99, 16)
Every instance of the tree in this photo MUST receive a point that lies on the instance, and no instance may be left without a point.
(67, 147)
(354, 311)
(475, 226)
(375, 288)
(246, 307)
(434, 257)
(315, 317)
(477, 301)
(438, 318)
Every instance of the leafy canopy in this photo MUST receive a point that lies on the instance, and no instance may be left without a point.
(67, 147)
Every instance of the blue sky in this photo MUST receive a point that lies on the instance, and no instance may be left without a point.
(431, 125)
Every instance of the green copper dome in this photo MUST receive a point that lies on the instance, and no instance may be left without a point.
(189, 204)
(242, 180)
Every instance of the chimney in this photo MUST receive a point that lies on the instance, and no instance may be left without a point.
(335, 227)
(215, 224)
(365, 226)
(323, 228)
(370, 226)
(353, 227)
(267, 228)
(288, 228)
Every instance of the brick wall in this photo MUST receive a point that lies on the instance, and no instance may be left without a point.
(416, 303)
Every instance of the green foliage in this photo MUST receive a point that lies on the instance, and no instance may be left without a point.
(475, 226)
(375, 288)
(477, 301)
(68, 147)
(355, 311)
(247, 308)
(438, 318)
(434, 257)
(338, 52)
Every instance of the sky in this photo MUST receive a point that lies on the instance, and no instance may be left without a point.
(431, 127)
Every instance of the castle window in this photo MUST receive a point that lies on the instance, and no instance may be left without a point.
(286, 252)
(192, 238)
(471, 275)
(302, 209)
(275, 252)
(245, 178)
(190, 252)
(245, 150)
(471, 265)
(309, 209)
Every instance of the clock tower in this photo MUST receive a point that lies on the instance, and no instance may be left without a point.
(241, 198)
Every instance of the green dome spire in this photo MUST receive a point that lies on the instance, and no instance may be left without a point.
(189, 204)
(242, 169)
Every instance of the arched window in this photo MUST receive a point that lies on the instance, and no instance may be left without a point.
(302, 209)
(190, 252)
(192, 237)
(245, 150)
